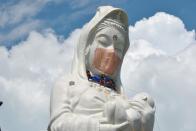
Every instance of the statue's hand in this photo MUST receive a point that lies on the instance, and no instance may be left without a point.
(144, 104)
(115, 127)
(144, 108)
(115, 112)
(115, 117)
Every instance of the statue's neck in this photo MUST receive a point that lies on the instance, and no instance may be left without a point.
(101, 79)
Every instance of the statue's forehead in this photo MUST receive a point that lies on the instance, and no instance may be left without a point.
(112, 35)
(112, 32)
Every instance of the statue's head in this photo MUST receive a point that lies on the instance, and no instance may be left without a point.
(103, 44)
(106, 52)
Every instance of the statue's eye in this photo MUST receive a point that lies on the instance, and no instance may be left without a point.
(103, 41)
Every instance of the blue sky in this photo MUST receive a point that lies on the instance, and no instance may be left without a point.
(37, 40)
(63, 16)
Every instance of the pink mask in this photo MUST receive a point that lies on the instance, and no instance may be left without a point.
(106, 60)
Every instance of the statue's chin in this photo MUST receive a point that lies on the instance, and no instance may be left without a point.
(106, 61)
(108, 69)
(106, 72)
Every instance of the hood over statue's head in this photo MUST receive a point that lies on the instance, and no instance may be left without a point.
(87, 36)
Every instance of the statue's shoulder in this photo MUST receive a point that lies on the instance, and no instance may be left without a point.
(64, 80)
(67, 83)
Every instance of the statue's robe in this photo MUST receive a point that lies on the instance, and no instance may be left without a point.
(79, 105)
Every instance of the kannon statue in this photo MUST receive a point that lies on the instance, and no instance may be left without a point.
(91, 97)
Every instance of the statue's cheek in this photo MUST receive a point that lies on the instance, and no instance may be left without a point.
(106, 61)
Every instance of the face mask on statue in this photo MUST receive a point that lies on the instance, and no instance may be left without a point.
(106, 60)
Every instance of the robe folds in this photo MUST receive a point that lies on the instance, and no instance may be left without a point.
(82, 106)
(78, 104)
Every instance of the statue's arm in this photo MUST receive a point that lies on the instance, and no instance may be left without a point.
(62, 117)
(142, 112)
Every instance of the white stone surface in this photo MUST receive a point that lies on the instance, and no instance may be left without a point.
(80, 105)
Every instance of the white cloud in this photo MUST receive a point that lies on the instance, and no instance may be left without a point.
(28, 71)
(17, 17)
(27, 74)
(164, 31)
(151, 66)
(21, 30)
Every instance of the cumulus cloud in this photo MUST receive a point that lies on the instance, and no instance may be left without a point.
(27, 74)
(164, 31)
(160, 61)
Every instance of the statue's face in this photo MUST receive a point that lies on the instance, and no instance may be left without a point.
(106, 52)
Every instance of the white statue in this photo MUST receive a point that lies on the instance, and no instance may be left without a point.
(91, 97)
